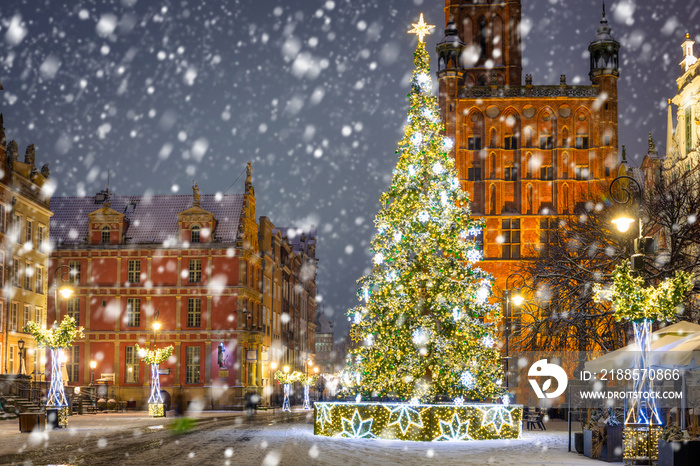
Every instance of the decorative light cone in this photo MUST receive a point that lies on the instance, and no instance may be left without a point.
(56, 398)
(307, 404)
(156, 406)
(285, 402)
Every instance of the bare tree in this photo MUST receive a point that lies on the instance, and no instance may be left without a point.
(580, 251)
(584, 249)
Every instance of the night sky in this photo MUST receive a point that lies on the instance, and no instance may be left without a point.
(157, 93)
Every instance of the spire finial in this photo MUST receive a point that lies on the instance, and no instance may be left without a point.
(603, 9)
(624, 154)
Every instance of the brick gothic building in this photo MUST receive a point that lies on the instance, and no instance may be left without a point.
(24, 224)
(200, 263)
(525, 153)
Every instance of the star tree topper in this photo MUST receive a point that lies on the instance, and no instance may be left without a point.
(421, 29)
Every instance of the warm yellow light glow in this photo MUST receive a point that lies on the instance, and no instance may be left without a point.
(62, 358)
(66, 292)
(623, 223)
(517, 300)
(273, 365)
(156, 326)
(286, 369)
(93, 365)
(316, 370)
(421, 29)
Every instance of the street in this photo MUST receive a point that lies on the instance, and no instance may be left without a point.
(268, 439)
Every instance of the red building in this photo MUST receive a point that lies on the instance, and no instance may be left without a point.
(193, 262)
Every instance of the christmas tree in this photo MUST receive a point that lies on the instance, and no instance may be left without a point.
(420, 328)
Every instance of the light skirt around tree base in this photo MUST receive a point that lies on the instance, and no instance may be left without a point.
(156, 409)
(418, 422)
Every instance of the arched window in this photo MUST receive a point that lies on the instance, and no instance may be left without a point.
(105, 235)
(565, 138)
(194, 234)
(483, 39)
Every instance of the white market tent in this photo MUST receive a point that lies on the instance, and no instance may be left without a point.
(676, 346)
(670, 346)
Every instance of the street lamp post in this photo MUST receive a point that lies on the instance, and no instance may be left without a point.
(93, 365)
(642, 420)
(517, 300)
(22, 355)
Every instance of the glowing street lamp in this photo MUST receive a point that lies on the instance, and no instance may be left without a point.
(93, 365)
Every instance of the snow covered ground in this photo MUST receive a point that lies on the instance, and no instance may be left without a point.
(269, 440)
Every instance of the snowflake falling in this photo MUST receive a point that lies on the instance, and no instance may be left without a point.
(423, 216)
(488, 342)
(437, 168)
(379, 258)
(448, 143)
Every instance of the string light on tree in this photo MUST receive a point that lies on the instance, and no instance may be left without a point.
(428, 311)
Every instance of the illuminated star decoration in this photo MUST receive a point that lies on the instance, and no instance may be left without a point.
(421, 29)
(405, 416)
(454, 430)
(323, 415)
(357, 427)
(497, 416)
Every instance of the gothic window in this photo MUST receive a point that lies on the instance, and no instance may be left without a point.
(483, 37)
(546, 173)
(474, 143)
(565, 166)
(581, 172)
(510, 233)
(492, 160)
(546, 142)
(565, 138)
(492, 194)
(511, 174)
(494, 139)
(582, 142)
(529, 199)
(565, 199)
(474, 174)
(528, 137)
(510, 142)
(547, 226)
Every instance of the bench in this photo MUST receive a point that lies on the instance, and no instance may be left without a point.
(131, 405)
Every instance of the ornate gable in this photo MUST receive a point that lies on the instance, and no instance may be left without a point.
(196, 224)
(107, 226)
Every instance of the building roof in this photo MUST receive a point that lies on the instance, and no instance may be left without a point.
(152, 219)
(295, 234)
(324, 324)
